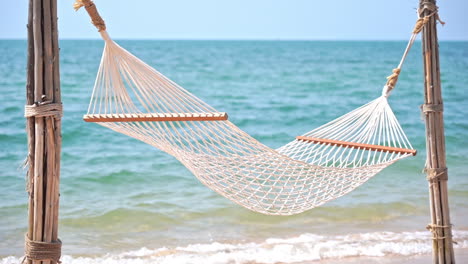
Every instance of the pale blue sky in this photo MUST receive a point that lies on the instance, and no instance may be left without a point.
(245, 19)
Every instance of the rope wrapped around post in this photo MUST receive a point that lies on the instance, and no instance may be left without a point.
(435, 229)
(38, 250)
(423, 21)
(436, 174)
(427, 108)
(43, 109)
(90, 7)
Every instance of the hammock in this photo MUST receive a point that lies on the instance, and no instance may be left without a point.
(134, 99)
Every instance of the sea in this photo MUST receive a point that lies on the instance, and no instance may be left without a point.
(123, 201)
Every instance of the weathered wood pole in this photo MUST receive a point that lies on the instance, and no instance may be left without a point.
(43, 112)
(436, 169)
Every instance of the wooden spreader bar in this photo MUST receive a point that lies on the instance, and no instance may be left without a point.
(357, 145)
(156, 117)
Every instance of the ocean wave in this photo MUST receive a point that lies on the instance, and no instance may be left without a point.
(304, 248)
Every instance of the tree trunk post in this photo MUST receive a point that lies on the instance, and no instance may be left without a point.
(43, 112)
(436, 168)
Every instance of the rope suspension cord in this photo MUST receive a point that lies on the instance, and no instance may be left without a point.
(134, 99)
(420, 23)
(389, 86)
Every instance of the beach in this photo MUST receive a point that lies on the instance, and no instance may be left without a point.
(123, 201)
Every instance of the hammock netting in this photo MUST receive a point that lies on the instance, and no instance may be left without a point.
(134, 99)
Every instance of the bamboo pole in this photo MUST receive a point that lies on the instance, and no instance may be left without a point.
(44, 132)
(50, 137)
(39, 125)
(435, 140)
(30, 122)
(57, 122)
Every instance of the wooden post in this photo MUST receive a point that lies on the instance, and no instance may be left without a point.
(436, 169)
(44, 132)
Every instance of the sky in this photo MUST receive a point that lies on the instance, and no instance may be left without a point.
(244, 19)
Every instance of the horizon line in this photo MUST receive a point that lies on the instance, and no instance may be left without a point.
(241, 39)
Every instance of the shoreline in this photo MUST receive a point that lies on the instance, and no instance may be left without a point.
(372, 248)
(461, 256)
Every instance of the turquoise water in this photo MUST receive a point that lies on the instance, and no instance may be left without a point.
(119, 195)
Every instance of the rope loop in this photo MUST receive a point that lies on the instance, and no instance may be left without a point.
(38, 250)
(431, 7)
(422, 21)
(44, 109)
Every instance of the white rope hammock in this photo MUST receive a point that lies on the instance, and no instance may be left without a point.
(134, 99)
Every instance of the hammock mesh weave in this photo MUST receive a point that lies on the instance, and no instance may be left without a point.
(296, 177)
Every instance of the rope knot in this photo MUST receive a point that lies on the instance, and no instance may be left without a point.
(436, 174)
(420, 24)
(38, 250)
(393, 78)
(422, 21)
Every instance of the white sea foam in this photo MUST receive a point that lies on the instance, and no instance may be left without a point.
(307, 247)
